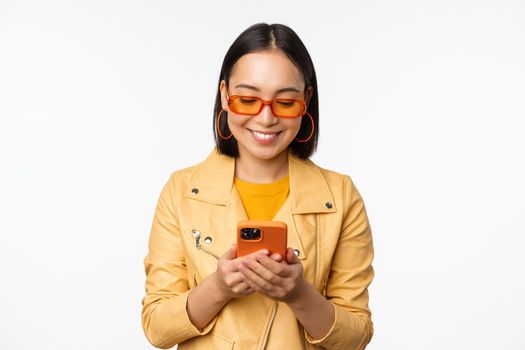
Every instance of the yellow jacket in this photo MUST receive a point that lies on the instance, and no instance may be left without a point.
(195, 222)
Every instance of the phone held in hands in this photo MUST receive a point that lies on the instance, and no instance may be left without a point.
(254, 235)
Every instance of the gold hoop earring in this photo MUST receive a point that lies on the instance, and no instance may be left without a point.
(311, 132)
(218, 127)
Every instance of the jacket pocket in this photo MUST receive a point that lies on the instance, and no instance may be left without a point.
(211, 340)
(192, 277)
(201, 242)
(201, 260)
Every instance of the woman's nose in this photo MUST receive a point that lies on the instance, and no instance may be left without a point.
(266, 116)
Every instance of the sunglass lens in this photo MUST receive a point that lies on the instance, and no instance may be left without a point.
(246, 105)
(287, 109)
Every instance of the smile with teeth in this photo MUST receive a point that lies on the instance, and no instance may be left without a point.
(264, 136)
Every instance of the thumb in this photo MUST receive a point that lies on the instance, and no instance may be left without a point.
(230, 253)
(291, 258)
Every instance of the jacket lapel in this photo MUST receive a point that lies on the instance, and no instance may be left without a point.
(213, 183)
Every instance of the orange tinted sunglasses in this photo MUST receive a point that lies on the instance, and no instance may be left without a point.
(253, 105)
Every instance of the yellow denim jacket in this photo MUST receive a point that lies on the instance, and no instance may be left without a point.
(195, 223)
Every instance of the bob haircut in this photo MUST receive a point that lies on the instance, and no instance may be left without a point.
(260, 37)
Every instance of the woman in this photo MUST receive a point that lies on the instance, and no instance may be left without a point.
(199, 294)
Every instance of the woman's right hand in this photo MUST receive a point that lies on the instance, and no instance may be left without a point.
(204, 302)
(207, 299)
(228, 277)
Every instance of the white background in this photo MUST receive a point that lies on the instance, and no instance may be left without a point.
(421, 102)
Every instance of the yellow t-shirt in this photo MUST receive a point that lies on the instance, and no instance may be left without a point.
(262, 201)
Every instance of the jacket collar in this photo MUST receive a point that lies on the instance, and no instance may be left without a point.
(309, 192)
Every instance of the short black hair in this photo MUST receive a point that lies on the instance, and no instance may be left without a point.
(259, 37)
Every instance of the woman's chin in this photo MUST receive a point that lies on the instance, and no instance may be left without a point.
(262, 152)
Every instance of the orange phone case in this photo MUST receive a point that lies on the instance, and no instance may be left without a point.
(273, 237)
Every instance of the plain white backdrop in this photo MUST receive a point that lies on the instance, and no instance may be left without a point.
(421, 103)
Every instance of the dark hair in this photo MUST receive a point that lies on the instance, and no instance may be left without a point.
(259, 37)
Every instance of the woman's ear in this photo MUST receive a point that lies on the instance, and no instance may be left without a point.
(224, 94)
(309, 93)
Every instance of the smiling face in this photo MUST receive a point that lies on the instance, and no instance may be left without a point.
(266, 74)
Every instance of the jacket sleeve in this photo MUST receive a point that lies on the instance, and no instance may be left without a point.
(350, 275)
(164, 317)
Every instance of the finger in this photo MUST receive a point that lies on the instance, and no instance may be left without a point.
(255, 280)
(291, 258)
(231, 253)
(235, 263)
(234, 279)
(255, 254)
(266, 274)
(251, 256)
(253, 286)
(243, 288)
(275, 267)
(237, 278)
(277, 257)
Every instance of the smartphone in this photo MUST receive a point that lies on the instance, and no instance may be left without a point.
(254, 235)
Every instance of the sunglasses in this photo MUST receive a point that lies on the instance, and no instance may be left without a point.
(253, 105)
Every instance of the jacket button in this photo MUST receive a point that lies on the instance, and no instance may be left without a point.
(297, 252)
(208, 240)
(195, 190)
(328, 205)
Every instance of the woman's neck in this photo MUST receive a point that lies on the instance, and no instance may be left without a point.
(252, 169)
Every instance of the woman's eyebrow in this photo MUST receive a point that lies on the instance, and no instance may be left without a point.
(290, 88)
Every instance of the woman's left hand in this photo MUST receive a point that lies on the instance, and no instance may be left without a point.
(277, 279)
